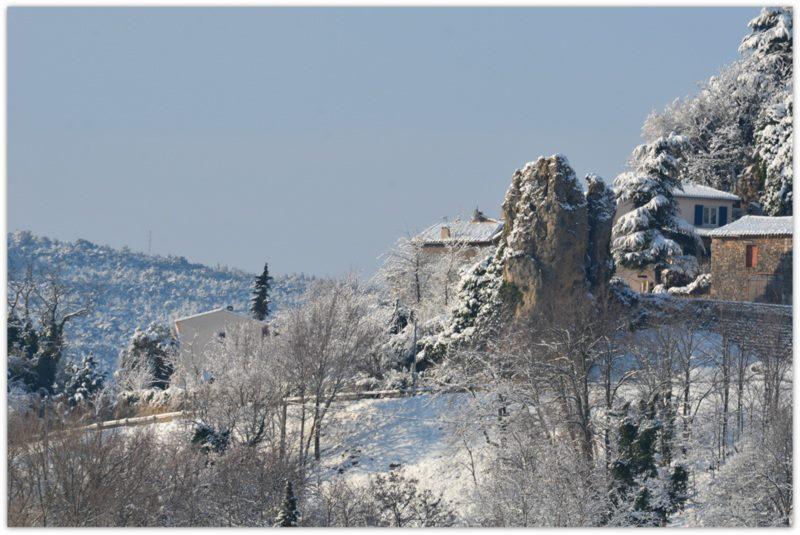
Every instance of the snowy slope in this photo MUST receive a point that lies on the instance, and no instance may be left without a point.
(131, 289)
(419, 434)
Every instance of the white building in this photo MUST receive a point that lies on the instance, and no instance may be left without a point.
(196, 332)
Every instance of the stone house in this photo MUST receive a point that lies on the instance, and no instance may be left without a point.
(751, 260)
(703, 207)
(473, 236)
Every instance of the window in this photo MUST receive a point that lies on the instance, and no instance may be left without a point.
(710, 216)
(698, 215)
(751, 256)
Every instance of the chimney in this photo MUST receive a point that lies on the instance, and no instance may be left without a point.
(445, 233)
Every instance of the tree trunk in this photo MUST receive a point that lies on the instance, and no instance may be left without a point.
(607, 387)
(301, 454)
(317, 428)
(726, 389)
(282, 424)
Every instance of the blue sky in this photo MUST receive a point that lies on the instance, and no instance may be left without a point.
(313, 138)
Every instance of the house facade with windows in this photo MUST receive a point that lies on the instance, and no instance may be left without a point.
(707, 208)
(703, 207)
(751, 260)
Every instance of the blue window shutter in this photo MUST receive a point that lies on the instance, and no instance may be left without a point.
(723, 215)
(698, 214)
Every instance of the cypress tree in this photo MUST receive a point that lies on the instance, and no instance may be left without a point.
(259, 303)
(288, 516)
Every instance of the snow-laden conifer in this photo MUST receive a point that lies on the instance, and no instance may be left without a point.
(652, 232)
(288, 516)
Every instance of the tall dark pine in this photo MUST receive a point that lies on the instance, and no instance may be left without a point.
(639, 435)
(288, 516)
(259, 303)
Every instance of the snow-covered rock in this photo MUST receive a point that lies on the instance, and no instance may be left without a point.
(553, 255)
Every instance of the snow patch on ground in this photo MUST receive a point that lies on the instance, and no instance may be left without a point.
(418, 434)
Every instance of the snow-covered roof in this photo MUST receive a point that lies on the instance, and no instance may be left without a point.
(698, 191)
(466, 232)
(755, 225)
(221, 310)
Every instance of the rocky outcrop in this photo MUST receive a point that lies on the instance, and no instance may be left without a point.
(553, 257)
(601, 206)
(545, 238)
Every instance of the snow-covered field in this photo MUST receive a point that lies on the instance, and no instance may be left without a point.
(417, 434)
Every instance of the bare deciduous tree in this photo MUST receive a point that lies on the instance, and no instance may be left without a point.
(324, 339)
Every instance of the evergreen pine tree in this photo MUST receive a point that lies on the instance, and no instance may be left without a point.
(774, 146)
(29, 339)
(770, 61)
(23, 344)
(770, 45)
(288, 516)
(259, 303)
(652, 232)
(50, 346)
(154, 349)
(13, 333)
(83, 380)
(645, 487)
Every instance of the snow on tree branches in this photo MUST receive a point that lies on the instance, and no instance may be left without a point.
(650, 233)
(740, 123)
(774, 149)
(288, 516)
(771, 41)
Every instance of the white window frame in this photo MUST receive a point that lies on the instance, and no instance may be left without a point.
(710, 216)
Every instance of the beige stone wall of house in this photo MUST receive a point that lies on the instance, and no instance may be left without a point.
(643, 280)
(769, 280)
(467, 253)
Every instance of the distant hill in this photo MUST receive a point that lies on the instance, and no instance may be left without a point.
(131, 289)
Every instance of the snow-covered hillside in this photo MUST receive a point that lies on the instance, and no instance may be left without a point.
(430, 438)
(130, 289)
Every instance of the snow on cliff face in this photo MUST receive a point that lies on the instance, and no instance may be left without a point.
(553, 255)
(130, 289)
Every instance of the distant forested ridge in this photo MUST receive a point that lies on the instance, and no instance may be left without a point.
(130, 289)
